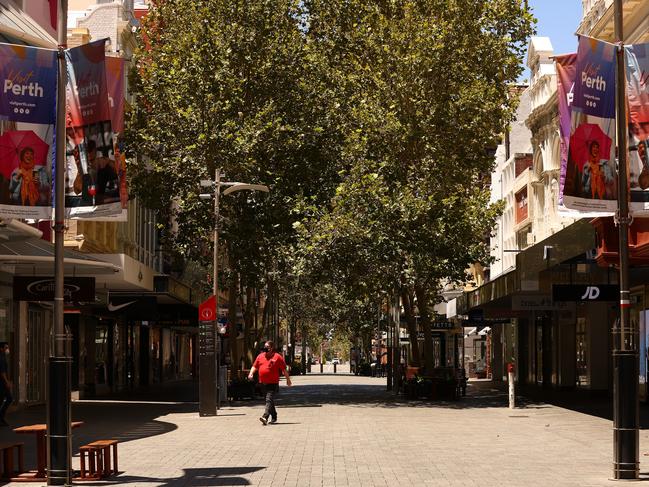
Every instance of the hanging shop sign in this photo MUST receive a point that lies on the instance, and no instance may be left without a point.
(585, 292)
(75, 289)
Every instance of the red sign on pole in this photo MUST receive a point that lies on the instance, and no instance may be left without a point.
(207, 310)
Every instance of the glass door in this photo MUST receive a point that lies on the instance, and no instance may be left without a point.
(36, 356)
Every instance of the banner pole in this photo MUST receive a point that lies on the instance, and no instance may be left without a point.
(58, 385)
(625, 351)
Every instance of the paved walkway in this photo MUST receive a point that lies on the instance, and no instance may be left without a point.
(345, 430)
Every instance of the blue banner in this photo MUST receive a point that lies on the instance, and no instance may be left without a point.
(28, 78)
(27, 115)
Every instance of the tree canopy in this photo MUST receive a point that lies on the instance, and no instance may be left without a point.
(371, 121)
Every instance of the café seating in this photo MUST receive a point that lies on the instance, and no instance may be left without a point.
(8, 450)
(99, 463)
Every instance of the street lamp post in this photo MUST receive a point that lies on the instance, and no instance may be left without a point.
(208, 405)
(625, 340)
(58, 384)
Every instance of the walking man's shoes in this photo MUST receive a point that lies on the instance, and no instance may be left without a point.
(263, 420)
(273, 420)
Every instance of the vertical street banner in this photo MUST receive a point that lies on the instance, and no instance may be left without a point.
(637, 78)
(27, 117)
(115, 81)
(591, 177)
(92, 189)
(566, 68)
(115, 78)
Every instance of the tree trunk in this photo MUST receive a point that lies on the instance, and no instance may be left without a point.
(292, 330)
(424, 315)
(303, 349)
(248, 333)
(232, 318)
(407, 299)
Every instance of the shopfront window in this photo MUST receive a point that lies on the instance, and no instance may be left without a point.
(582, 353)
(36, 355)
(437, 351)
(101, 354)
(479, 354)
(5, 320)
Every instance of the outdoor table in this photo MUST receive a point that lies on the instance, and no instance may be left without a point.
(40, 430)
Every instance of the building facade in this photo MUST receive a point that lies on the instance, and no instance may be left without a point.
(140, 326)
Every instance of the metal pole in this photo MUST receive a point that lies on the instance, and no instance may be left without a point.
(396, 345)
(625, 353)
(217, 337)
(388, 344)
(58, 385)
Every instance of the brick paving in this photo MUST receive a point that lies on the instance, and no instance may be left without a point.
(345, 430)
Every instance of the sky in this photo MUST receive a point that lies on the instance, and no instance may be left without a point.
(558, 20)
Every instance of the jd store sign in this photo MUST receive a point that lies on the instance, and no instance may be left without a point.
(585, 293)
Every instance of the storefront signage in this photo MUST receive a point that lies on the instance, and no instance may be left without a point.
(585, 292)
(75, 289)
(536, 302)
(442, 325)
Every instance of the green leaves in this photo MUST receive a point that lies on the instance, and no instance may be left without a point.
(370, 121)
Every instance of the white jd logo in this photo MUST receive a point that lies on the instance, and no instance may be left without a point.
(592, 292)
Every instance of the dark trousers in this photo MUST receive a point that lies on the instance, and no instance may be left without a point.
(269, 391)
(7, 399)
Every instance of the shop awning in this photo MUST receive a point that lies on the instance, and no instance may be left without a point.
(484, 331)
(19, 25)
(34, 256)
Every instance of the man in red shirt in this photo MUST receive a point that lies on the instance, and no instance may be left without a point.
(269, 363)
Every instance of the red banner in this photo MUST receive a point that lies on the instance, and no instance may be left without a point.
(115, 81)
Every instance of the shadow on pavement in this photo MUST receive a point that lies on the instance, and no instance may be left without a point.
(479, 395)
(203, 477)
(124, 417)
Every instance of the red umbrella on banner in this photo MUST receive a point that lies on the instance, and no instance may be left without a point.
(13, 143)
(582, 142)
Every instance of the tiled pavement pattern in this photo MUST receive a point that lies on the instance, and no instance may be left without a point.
(346, 430)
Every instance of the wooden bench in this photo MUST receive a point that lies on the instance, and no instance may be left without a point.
(99, 464)
(7, 450)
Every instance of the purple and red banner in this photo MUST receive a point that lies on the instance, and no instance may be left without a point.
(27, 116)
(637, 77)
(92, 176)
(115, 81)
(566, 69)
(591, 177)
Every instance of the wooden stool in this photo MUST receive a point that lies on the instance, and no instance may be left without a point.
(94, 470)
(8, 459)
(99, 464)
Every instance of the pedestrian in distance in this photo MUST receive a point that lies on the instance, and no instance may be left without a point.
(269, 364)
(5, 384)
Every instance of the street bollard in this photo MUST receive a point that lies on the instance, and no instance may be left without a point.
(321, 367)
(510, 378)
(334, 367)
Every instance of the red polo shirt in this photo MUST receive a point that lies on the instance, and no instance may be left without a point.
(269, 369)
